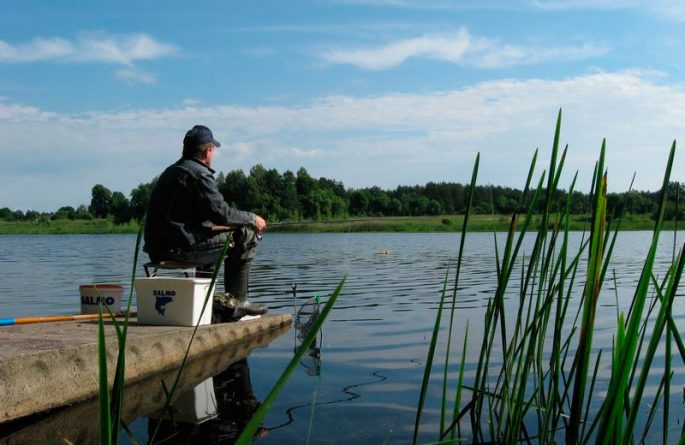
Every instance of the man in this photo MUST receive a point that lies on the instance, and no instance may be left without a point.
(187, 220)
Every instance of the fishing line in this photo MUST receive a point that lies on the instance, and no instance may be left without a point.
(345, 389)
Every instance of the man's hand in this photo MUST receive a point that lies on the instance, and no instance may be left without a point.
(259, 224)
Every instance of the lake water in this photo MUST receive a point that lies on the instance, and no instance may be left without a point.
(363, 385)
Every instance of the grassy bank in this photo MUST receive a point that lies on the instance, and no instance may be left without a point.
(65, 226)
(443, 223)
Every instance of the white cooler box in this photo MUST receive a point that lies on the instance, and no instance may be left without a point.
(173, 301)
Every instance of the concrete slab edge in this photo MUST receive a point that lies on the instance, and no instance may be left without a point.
(42, 380)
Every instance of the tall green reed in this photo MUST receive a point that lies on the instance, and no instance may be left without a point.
(436, 328)
(536, 376)
(110, 406)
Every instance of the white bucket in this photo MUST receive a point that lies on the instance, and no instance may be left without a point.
(93, 294)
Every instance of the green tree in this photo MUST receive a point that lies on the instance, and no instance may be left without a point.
(234, 189)
(336, 187)
(66, 212)
(101, 201)
(311, 206)
(31, 215)
(290, 205)
(380, 204)
(395, 207)
(83, 213)
(505, 205)
(433, 207)
(120, 208)
(140, 198)
(304, 183)
(418, 205)
(6, 214)
(360, 201)
(306, 187)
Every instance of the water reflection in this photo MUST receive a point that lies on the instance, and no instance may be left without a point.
(214, 412)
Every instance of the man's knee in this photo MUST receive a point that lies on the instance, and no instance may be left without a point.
(245, 242)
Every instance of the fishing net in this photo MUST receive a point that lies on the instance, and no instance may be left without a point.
(304, 321)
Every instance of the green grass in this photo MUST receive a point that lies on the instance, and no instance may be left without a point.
(410, 224)
(65, 226)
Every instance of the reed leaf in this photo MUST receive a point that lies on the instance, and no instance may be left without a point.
(105, 424)
(668, 373)
(460, 382)
(593, 381)
(591, 295)
(429, 359)
(618, 383)
(652, 412)
(553, 406)
(529, 178)
(659, 325)
(119, 374)
(462, 241)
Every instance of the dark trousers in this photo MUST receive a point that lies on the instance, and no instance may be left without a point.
(237, 262)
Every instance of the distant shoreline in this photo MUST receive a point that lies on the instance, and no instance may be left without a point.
(417, 224)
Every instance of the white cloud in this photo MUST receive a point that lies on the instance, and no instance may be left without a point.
(94, 47)
(437, 4)
(38, 49)
(444, 47)
(191, 102)
(383, 140)
(297, 153)
(671, 10)
(585, 4)
(459, 48)
(132, 76)
(490, 54)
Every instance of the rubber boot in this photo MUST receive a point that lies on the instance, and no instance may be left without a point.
(236, 278)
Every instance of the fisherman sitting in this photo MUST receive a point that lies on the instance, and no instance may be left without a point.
(188, 219)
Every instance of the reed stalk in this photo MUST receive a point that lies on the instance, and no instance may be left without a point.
(110, 406)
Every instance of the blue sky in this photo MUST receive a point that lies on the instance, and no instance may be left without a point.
(368, 92)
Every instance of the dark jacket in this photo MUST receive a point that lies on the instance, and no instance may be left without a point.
(184, 205)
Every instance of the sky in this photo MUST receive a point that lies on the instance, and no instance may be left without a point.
(366, 92)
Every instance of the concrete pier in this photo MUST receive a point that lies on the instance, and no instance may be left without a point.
(45, 366)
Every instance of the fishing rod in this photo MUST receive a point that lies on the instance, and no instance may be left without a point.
(51, 318)
(333, 221)
(219, 229)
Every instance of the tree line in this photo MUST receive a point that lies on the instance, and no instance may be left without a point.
(298, 196)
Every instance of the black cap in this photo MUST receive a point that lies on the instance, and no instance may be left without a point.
(199, 135)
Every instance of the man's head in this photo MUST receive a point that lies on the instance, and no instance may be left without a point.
(199, 143)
